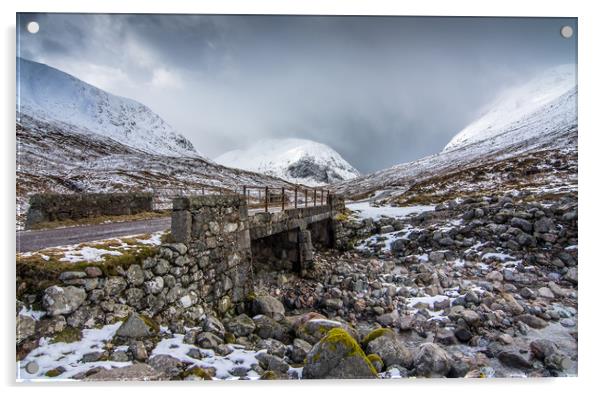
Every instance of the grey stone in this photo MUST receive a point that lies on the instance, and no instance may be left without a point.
(154, 286)
(166, 364)
(273, 346)
(532, 321)
(32, 367)
(138, 351)
(521, 224)
(208, 340)
(115, 285)
(572, 275)
(269, 306)
(241, 325)
(136, 327)
(391, 350)
(432, 361)
(272, 362)
(543, 348)
(266, 328)
(299, 350)
(93, 271)
(62, 300)
(545, 292)
(26, 327)
(514, 360)
(65, 276)
(136, 372)
(135, 275)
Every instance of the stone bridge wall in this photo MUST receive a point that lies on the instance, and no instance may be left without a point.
(208, 270)
(48, 207)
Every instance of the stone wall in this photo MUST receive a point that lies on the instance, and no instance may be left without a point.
(47, 207)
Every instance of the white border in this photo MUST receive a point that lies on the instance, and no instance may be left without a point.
(590, 32)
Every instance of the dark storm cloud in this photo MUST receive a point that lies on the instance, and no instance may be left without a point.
(379, 90)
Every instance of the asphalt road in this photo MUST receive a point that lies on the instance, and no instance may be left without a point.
(33, 240)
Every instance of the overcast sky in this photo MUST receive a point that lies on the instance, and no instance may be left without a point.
(379, 90)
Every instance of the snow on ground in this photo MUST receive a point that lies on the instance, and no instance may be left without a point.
(386, 238)
(367, 211)
(35, 314)
(85, 252)
(498, 256)
(50, 355)
(239, 357)
(74, 254)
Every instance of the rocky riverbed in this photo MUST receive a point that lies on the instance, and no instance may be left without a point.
(474, 287)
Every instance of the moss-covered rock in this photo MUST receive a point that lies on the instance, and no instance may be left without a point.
(67, 335)
(376, 334)
(338, 356)
(376, 361)
(198, 373)
(314, 329)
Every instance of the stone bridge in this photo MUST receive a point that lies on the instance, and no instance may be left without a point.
(231, 243)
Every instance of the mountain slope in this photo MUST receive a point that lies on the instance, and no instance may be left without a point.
(540, 102)
(491, 139)
(53, 96)
(296, 160)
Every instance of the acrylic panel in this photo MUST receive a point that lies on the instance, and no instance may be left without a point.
(260, 197)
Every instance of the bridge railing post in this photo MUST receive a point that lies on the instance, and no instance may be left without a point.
(282, 198)
(315, 199)
(295, 196)
(305, 197)
(267, 192)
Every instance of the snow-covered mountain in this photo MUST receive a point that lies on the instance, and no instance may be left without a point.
(540, 115)
(52, 96)
(295, 160)
(544, 104)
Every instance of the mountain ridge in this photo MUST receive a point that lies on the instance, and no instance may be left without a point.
(295, 160)
(51, 95)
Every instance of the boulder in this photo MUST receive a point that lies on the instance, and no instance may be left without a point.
(272, 362)
(166, 364)
(390, 350)
(338, 356)
(432, 361)
(266, 328)
(514, 360)
(267, 305)
(136, 327)
(313, 330)
(532, 321)
(136, 372)
(299, 350)
(241, 325)
(62, 300)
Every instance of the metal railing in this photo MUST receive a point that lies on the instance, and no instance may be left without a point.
(282, 197)
(262, 197)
